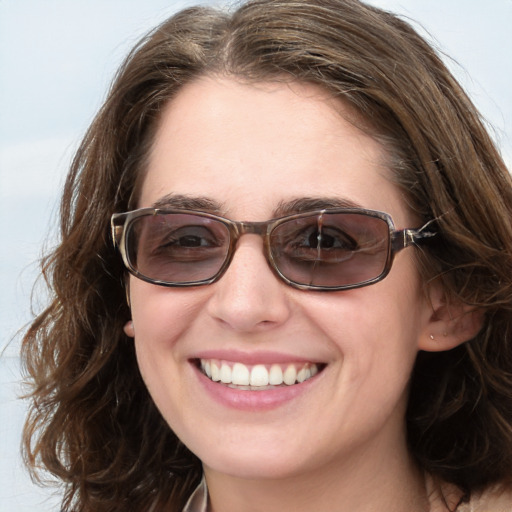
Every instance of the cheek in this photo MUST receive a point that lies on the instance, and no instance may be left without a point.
(161, 315)
(375, 329)
(161, 318)
(361, 320)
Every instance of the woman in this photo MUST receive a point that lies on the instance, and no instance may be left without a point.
(309, 301)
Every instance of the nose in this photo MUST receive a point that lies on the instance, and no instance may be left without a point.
(249, 297)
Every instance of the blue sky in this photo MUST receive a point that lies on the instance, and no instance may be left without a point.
(57, 58)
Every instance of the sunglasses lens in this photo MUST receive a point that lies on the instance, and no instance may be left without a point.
(331, 249)
(177, 248)
(324, 250)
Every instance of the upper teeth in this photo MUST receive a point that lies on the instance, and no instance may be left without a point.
(258, 375)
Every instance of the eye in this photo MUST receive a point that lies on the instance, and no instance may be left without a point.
(309, 243)
(190, 237)
(327, 238)
(182, 238)
(187, 243)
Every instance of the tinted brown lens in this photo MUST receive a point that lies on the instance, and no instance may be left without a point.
(338, 249)
(177, 248)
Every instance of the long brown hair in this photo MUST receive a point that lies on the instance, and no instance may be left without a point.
(92, 421)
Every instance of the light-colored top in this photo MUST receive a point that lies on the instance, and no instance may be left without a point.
(198, 501)
(442, 499)
(493, 500)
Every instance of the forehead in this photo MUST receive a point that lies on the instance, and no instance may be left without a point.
(251, 146)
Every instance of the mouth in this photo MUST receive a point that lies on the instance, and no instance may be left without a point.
(258, 377)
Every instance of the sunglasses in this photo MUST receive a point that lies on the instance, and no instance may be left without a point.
(328, 250)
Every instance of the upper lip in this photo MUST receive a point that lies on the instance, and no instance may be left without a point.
(253, 357)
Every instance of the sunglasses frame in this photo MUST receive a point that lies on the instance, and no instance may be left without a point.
(398, 240)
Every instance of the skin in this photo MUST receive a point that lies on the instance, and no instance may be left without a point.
(339, 445)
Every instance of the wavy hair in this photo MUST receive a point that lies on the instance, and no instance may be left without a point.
(92, 423)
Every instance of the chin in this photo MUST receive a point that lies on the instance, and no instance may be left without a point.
(259, 461)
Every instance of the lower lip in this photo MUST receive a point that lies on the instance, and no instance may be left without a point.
(253, 400)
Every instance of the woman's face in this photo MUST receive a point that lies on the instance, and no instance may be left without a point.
(250, 150)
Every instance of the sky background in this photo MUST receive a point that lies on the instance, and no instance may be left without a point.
(57, 58)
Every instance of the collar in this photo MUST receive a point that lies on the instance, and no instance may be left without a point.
(198, 501)
(500, 499)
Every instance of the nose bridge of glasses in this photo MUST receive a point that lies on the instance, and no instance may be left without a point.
(252, 228)
(260, 229)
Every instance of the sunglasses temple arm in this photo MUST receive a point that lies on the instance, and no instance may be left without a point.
(116, 232)
(406, 237)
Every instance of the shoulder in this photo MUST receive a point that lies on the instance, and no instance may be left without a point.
(495, 499)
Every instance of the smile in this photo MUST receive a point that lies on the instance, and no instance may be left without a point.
(259, 376)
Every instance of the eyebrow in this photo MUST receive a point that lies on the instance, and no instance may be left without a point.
(290, 207)
(307, 204)
(185, 202)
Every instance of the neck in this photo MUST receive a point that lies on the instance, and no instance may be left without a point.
(390, 482)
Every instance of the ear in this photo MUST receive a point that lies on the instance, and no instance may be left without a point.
(450, 324)
(128, 329)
